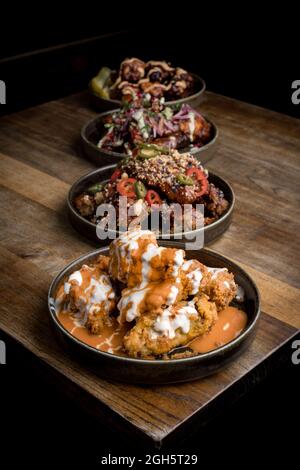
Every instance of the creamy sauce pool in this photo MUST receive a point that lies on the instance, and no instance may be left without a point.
(110, 340)
(231, 322)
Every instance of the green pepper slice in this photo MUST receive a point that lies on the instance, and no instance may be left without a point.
(151, 150)
(140, 190)
(95, 188)
(184, 180)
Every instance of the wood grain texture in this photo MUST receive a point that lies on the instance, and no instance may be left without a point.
(156, 411)
(258, 153)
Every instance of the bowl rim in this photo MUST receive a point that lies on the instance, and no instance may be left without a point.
(181, 100)
(197, 358)
(223, 217)
(109, 153)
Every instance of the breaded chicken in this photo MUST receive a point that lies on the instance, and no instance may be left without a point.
(136, 258)
(125, 255)
(154, 335)
(194, 277)
(153, 297)
(98, 319)
(221, 287)
(89, 295)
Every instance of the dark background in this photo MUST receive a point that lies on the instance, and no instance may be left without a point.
(251, 57)
(43, 427)
(247, 55)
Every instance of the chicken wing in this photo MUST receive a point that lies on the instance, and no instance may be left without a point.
(154, 335)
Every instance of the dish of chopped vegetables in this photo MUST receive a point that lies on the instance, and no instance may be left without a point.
(151, 122)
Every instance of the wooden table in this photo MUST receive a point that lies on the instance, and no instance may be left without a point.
(258, 153)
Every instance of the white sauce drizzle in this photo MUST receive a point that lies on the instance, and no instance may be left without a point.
(131, 302)
(100, 290)
(191, 125)
(216, 271)
(76, 276)
(195, 277)
(168, 322)
(98, 294)
(187, 264)
(172, 295)
(178, 262)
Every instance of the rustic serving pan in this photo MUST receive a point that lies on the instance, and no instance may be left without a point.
(195, 99)
(143, 371)
(102, 175)
(92, 132)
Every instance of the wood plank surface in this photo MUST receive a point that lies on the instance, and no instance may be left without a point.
(258, 153)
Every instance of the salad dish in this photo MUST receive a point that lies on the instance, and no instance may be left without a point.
(115, 134)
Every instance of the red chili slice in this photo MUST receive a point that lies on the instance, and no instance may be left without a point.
(152, 198)
(116, 174)
(198, 175)
(126, 187)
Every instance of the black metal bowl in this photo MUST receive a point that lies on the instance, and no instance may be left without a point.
(102, 175)
(92, 132)
(103, 104)
(143, 371)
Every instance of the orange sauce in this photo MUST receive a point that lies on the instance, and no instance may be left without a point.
(231, 322)
(110, 339)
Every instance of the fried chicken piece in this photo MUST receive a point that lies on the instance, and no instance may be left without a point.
(159, 71)
(89, 294)
(125, 255)
(132, 70)
(154, 335)
(102, 263)
(136, 258)
(216, 203)
(181, 74)
(85, 205)
(129, 91)
(153, 297)
(161, 65)
(97, 320)
(221, 287)
(194, 277)
(181, 83)
(155, 89)
(157, 74)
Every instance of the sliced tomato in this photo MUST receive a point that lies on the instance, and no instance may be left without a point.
(195, 173)
(116, 174)
(152, 198)
(126, 187)
(199, 176)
